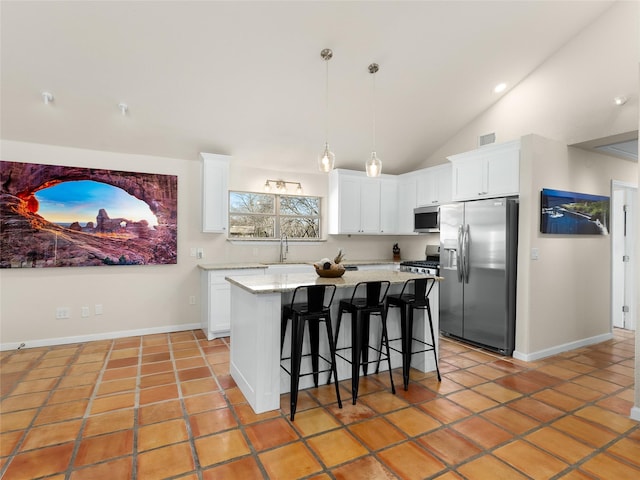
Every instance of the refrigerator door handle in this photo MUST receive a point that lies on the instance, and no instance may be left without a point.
(465, 249)
(460, 259)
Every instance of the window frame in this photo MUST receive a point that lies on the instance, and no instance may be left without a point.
(277, 215)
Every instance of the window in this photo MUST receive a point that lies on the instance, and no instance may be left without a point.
(269, 216)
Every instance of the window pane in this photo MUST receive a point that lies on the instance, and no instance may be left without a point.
(307, 206)
(300, 227)
(252, 226)
(246, 202)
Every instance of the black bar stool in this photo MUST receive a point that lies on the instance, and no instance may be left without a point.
(361, 308)
(316, 309)
(409, 301)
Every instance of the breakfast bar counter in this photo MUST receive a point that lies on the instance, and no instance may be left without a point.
(256, 303)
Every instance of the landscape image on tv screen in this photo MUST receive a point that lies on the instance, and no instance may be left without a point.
(570, 213)
(58, 216)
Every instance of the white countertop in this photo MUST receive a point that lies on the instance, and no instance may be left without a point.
(289, 282)
(240, 265)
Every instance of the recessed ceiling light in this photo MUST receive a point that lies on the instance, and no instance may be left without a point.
(47, 97)
(620, 100)
(500, 87)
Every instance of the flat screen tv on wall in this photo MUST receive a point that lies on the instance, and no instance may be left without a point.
(59, 216)
(571, 213)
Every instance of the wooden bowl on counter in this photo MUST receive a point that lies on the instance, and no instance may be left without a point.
(331, 272)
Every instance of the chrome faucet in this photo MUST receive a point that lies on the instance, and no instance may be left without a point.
(284, 247)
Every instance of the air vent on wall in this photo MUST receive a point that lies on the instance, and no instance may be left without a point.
(486, 139)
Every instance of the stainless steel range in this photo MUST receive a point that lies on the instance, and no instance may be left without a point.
(429, 266)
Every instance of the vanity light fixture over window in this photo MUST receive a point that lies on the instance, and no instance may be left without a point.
(374, 164)
(280, 186)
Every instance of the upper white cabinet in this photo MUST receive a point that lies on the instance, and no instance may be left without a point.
(434, 185)
(215, 197)
(361, 205)
(490, 171)
(407, 201)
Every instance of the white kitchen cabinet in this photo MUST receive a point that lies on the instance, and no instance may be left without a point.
(216, 305)
(407, 201)
(361, 205)
(434, 185)
(490, 171)
(388, 205)
(215, 195)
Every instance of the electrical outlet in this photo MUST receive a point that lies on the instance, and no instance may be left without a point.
(63, 312)
(192, 252)
(84, 312)
(535, 254)
(192, 299)
(98, 309)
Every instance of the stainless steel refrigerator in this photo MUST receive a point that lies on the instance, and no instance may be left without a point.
(478, 259)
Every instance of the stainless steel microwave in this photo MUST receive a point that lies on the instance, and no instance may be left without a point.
(426, 219)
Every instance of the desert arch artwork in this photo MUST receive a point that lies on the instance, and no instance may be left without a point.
(59, 216)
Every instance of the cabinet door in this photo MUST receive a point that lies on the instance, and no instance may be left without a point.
(503, 173)
(215, 197)
(369, 206)
(406, 204)
(467, 178)
(349, 204)
(388, 205)
(427, 188)
(443, 182)
(220, 298)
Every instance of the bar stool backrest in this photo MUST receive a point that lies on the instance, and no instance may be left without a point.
(421, 289)
(375, 292)
(319, 297)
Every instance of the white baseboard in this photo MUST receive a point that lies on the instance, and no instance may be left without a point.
(97, 336)
(635, 413)
(547, 352)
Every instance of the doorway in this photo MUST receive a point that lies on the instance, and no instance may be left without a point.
(624, 214)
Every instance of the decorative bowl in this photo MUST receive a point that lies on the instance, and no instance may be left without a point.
(331, 272)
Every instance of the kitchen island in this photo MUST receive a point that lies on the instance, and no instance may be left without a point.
(256, 303)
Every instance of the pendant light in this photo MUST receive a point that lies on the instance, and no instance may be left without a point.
(374, 165)
(327, 159)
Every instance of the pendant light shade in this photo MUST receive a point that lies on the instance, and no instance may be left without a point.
(327, 159)
(373, 166)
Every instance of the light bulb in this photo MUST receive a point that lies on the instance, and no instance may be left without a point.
(373, 166)
(326, 160)
(267, 186)
(299, 189)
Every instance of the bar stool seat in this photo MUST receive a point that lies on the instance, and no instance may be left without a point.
(313, 311)
(413, 296)
(361, 306)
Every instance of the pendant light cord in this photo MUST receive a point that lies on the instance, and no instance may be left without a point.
(374, 112)
(326, 126)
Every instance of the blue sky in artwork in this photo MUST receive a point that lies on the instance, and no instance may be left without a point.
(80, 201)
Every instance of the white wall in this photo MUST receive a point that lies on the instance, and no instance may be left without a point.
(144, 299)
(564, 296)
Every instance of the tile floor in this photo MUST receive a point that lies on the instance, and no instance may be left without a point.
(164, 406)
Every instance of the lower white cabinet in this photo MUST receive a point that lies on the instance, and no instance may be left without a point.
(216, 305)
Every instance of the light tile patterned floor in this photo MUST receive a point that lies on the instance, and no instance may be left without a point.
(165, 406)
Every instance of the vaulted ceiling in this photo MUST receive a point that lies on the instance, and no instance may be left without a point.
(247, 79)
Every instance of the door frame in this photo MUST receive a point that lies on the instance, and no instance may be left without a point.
(617, 276)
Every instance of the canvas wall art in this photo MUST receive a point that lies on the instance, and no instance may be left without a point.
(571, 213)
(58, 216)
